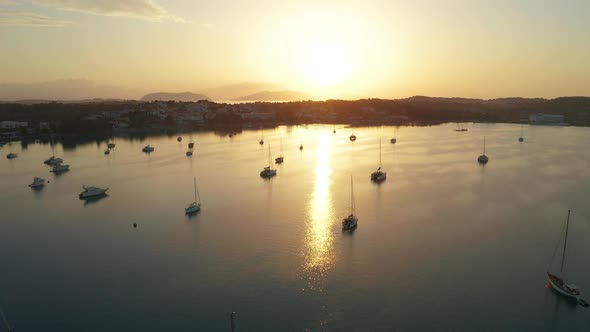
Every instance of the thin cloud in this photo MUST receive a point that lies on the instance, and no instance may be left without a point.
(140, 9)
(25, 19)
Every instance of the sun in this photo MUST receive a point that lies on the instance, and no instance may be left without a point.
(325, 63)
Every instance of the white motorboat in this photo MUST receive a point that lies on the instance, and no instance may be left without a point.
(11, 155)
(351, 222)
(379, 175)
(268, 172)
(557, 281)
(148, 148)
(92, 192)
(37, 182)
(483, 159)
(196, 205)
(60, 168)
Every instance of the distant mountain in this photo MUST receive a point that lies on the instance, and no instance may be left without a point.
(285, 95)
(177, 96)
(63, 90)
(233, 91)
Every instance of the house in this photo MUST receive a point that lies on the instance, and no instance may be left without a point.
(547, 119)
(13, 124)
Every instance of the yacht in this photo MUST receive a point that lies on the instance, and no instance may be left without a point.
(379, 175)
(148, 148)
(350, 223)
(268, 172)
(196, 205)
(557, 280)
(59, 168)
(37, 182)
(52, 161)
(11, 155)
(483, 159)
(92, 192)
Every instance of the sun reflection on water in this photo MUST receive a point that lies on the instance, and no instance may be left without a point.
(319, 239)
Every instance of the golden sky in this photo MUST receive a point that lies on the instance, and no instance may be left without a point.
(342, 49)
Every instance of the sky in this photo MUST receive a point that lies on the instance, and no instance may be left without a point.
(330, 49)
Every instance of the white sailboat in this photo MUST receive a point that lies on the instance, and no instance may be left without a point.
(483, 159)
(52, 161)
(557, 281)
(379, 175)
(351, 222)
(280, 159)
(268, 172)
(196, 205)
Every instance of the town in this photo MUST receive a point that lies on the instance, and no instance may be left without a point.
(113, 117)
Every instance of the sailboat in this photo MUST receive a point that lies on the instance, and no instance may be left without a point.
(268, 172)
(196, 205)
(483, 159)
(379, 175)
(351, 222)
(460, 127)
(557, 281)
(52, 161)
(280, 159)
(521, 138)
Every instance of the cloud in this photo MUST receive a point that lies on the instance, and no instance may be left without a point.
(141, 9)
(14, 18)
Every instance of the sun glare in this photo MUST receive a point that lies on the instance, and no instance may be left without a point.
(326, 63)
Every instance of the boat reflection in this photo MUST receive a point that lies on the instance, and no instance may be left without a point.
(319, 239)
(94, 199)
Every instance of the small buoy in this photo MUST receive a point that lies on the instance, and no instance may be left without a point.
(301, 147)
(134, 225)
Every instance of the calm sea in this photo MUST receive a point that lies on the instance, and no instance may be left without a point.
(442, 244)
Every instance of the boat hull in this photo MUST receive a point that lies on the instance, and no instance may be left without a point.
(553, 280)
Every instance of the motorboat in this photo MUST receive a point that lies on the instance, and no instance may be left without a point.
(196, 205)
(59, 168)
(148, 148)
(557, 280)
(351, 222)
(52, 161)
(107, 151)
(37, 182)
(393, 140)
(111, 145)
(189, 153)
(483, 159)
(11, 155)
(92, 192)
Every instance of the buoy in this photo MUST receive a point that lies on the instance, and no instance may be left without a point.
(134, 225)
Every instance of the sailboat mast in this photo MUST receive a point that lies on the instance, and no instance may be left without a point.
(269, 159)
(484, 145)
(567, 223)
(351, 196)
(195, 180)
(379, 153)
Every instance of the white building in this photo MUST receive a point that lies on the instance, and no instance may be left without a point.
(546, 119)
(13, 124)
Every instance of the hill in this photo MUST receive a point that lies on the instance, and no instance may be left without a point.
(176, 96)
(285, 95)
